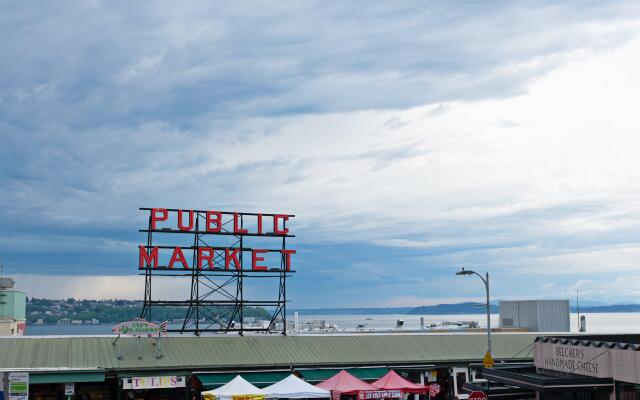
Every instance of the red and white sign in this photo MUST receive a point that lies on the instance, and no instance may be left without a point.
(214, 223)
(379, 394)
(477, 396)
(335, 395)
(434, 390)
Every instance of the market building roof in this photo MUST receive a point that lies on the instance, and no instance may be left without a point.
(259, 351)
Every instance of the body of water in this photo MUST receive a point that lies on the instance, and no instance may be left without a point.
(596, 323)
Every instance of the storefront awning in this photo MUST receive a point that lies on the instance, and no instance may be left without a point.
(498, 391)
(321, 374)
(529, 378)
(65, 377)
(259, 379)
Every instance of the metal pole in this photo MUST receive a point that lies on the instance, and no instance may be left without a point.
(486, 284)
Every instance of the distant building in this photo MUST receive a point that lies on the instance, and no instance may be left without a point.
(535, 315)
(13, 307)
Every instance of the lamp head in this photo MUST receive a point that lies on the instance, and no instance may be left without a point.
(464, 272)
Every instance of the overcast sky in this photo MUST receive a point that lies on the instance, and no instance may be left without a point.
(408, 138)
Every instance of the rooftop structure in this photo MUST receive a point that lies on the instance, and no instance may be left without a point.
(535, 315)
(13, 308)
(6, 283)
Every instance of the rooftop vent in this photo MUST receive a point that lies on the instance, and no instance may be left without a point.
(6, 283)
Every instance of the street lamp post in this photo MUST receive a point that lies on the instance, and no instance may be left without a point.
(488, 359)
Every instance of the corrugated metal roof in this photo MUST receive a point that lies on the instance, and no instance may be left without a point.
(255, 351)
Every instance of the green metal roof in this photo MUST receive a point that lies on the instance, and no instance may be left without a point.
(263, 351)
(260, 379)
(321, 374)
(66, 377)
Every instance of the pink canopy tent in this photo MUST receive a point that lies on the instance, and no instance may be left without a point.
(393, 381)
(345, 383)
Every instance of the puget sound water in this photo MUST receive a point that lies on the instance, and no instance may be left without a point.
(596, 323)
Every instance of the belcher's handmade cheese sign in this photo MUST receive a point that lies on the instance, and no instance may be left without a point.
(579, 360)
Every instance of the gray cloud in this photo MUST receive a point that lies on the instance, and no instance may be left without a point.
(107, 106)
(119, 64)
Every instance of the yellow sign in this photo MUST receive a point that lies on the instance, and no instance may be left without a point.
(487, 361)
(209, 396)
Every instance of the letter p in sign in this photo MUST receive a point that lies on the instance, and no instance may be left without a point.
(477, 396)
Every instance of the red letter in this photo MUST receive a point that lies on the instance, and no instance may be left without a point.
(231, 255)
(208, 257)
(217, 220)
(178, 255)
(255, 259)
(287, 259)
(182, 227)
(259, 224)
(276, 228)
(147, 258)
(236, 227)
(164, 214)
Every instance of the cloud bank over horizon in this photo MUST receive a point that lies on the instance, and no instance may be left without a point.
(409, 140)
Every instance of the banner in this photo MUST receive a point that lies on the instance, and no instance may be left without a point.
(379, 394)
(154, 382)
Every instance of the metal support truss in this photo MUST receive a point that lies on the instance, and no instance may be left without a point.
(217, 299)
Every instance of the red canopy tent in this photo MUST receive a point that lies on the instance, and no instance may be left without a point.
(345, 383)
(393, 381)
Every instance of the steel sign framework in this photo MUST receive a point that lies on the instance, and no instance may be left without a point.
(221, 245)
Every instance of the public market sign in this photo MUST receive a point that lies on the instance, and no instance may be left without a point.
(580, 360)
(214, 223)
(153, 382)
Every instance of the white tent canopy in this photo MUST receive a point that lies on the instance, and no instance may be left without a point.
(238, 386)
(293, 387)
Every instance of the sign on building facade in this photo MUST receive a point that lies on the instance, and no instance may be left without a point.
(580, 360)
(17, 386)
(154, 382)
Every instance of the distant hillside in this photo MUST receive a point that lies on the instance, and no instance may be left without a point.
(109, 311)
(615, 308)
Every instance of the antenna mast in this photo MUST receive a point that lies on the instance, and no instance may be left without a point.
(578, 307)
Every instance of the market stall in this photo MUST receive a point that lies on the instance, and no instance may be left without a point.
(237, 389)
(393, 381)
(293, 387)
(345, 384)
